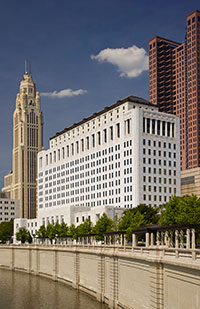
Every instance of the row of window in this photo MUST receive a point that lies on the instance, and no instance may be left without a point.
(87, 143)
(159, 144)
(87, 126)
(158, 127)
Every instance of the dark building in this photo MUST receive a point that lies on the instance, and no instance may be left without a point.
(174, 85)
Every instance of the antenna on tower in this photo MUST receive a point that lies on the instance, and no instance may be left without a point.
(29, 67)
(26, 67)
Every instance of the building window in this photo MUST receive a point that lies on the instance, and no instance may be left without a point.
(77, 147)
(87, 142)
(153, 126)
(82, 144)
(68, 151)
(72, 148)
(99, 138)
(111, 133)
(118, 130)
(163, 128)
(46, 159)
(93, 140)
(148, 125)
(105, 135)
(144, 125)
(158, 127)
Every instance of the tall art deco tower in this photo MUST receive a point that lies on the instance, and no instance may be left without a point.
(27, 142)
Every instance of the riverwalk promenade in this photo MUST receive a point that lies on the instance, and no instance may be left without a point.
(163, 273)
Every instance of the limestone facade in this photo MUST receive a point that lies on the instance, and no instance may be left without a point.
(190, 182)
(124, 155)
(9, 208)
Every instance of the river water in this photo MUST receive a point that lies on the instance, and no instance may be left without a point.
(23, 291)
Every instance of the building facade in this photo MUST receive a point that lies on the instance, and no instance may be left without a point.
(174, 85)
(20, 183)
(122, 156)
(190, 182)
(9, 208)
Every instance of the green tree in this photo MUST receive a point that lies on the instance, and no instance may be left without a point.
(115, 223)
(137, 221)
(42, 232)
(57, 228)
(63, 229)
(6, 231)
(104, 224)
(85, 228)
(23, 235)
(73, 231)
(51, 232)
(148, 213)
(136, 217)
(180, 210)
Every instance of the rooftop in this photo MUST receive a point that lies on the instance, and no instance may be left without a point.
(159, 38)
(132, 99)
(194, 12)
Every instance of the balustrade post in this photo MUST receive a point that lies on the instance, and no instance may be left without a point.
(181, 239)
(176, 239)
(147, 239)
(124, 240)
(193, 239)
(162, 238)
(188, 238)
(152, 239)
(158, 238)
(171, 240)
(133, 240)
(167, 239)
(121, 239)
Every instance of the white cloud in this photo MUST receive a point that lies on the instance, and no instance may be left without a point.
(63, 93)
(131, 61)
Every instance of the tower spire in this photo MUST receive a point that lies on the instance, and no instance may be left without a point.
(29, 67)
(26, 67)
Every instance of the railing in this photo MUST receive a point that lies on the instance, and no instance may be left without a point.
(176, 241)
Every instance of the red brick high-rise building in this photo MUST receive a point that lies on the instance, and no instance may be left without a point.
(174, 85)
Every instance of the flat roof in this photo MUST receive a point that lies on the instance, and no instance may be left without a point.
(161, 38)
(132, 99)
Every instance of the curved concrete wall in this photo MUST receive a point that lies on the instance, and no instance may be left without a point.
(138, 278)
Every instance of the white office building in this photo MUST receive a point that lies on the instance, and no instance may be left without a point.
(124, 155)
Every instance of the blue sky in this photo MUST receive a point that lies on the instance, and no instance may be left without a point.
(59, 37)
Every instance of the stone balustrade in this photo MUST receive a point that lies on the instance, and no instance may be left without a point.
(175, 236)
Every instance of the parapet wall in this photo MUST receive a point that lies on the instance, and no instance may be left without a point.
(130, 278)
